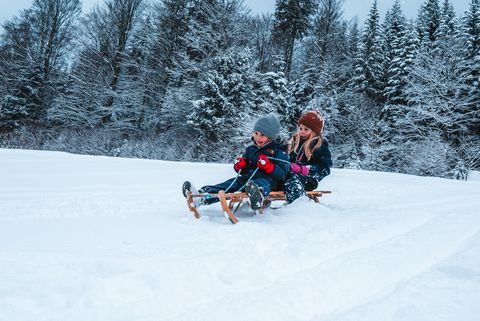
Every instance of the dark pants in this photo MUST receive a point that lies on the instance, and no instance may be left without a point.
(237, 186)
(296, 185)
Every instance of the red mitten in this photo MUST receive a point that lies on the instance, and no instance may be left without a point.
(265, 164)
(240, 163)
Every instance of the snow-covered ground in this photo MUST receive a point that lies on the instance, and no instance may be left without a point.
(107, 239)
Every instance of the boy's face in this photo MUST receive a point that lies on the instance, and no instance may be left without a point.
(304, 132)
(260, 139)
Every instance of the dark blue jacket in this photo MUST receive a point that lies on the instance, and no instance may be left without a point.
(279, 158)
(321, 158)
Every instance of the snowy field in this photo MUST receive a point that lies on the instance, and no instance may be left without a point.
(107, 239)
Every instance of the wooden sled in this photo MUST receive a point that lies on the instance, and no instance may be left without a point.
(228, 201)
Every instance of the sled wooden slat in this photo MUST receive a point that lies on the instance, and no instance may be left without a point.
(226, 206)
(228, 200)
(191, 206)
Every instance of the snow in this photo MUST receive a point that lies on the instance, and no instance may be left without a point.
(474, 176)
(98, 238)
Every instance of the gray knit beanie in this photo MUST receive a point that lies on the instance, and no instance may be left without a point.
(269, 125)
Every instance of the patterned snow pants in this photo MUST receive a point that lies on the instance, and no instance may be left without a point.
(295, 185)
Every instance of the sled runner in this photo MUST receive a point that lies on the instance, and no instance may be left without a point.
(228, 201)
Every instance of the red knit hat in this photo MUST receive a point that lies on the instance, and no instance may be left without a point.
(313, 120)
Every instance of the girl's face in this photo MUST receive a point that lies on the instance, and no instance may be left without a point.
(260, 139)
(304, 132)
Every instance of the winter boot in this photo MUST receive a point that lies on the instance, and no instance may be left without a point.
(188, 187)
(255, 195)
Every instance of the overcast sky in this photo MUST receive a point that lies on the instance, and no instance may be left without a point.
(352, 8)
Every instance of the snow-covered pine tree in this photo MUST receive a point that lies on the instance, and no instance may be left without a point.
(471, 26)
(395, 33)
(353, 39)
(320, 70)
(291, 23)
(327, 27)
(302, 91)
(390, 71)
(369, 64)
(211, 41)
(173, 68)
(471, 31)
(429, 17)
(436, 105)
(449, 24)
(156, 52)
(220, 119)
(469, 150)
(212, 31)
(23, 105)
(434, 89)
(18, 91)
(271, 94)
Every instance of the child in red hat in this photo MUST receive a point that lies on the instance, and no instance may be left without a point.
(310, 158)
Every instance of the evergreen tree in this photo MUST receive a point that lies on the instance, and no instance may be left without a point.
(211, 36)
(327, 29)
(291, 23)
(353, 39)
(396, 46)
(471, 25)
(271, 94)
(23, 106)
(449, 24)
(435, 90)
(225, 99)
(211, 30)
(166, 44)
(471, 29)
(369, 64)
(429, 17)
(302, 92)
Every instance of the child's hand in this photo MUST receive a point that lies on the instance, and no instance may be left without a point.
(240, 163)
(265, 164)
(299, 169)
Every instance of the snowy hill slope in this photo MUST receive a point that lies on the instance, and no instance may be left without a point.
(97, 238)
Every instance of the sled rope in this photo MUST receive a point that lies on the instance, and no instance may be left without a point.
(233, 182)
(278, 159)
(238, 175)
(251, 176)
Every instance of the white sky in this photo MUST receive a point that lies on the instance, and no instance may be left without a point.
(352, 8)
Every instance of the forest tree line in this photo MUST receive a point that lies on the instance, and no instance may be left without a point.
(185, 80)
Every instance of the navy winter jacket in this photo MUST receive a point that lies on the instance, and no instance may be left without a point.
(321, 158)
(275, 152)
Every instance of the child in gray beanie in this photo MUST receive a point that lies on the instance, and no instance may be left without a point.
(269, 125)
(262, 167)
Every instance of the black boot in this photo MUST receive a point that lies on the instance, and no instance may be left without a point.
(188, 187)
(255, 195)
